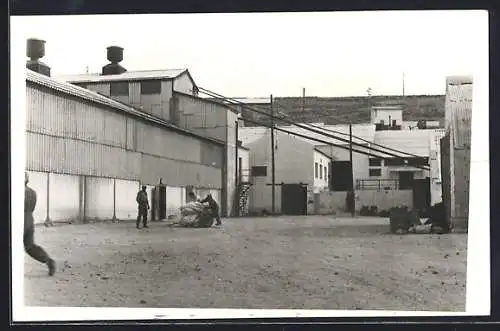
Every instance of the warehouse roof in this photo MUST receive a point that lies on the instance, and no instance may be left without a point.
(126, 76)
(79, 92)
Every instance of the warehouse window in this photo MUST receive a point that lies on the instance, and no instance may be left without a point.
(151, 87)
(118, 89)
(375, 172)
(326, 173)
(259, 171)
(375, 162)
(315, 169)
(320, 172)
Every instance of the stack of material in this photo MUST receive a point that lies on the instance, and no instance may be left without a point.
(196, 215)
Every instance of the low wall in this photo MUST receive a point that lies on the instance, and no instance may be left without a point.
(335, 202)
(260, 198)
(64, 198)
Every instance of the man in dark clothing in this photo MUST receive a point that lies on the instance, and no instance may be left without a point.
(33, 250)
(214, 207)
(143, 206)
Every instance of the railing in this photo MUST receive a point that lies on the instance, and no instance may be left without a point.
(377, 184)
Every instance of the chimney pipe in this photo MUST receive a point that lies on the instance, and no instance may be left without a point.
(35, 50)
(115, 56)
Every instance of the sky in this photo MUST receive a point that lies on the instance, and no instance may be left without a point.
(254, 55)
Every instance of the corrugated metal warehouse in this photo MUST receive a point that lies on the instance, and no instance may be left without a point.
(87, 154)
(172, 96)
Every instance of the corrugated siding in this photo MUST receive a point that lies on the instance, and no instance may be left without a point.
(102, 88)
(55, 154)
(159, 142)
(206, 118)
(134, 91)
(462, 186)
(458, 113)
(66, 117)
(175, 173)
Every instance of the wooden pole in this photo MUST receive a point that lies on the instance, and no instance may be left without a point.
(236, 177)
(352, 171)
(272, 159)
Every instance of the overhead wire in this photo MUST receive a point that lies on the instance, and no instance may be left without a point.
(243, 105)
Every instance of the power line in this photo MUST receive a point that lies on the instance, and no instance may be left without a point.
(353, 136)
(324, 141)
(243, 105)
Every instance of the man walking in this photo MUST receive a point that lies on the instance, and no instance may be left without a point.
(143, 207)
(33, 250)
(214, 207)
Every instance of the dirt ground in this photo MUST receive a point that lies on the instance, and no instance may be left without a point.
(290, 262)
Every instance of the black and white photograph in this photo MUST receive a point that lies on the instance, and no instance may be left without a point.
(239, 165)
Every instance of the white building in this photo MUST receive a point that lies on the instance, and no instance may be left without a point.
(387, 116)
(300, 171)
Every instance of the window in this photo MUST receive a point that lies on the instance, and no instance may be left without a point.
(393, 122)
(375, 162)
(259, 171)
(375, 172)
(151, 87)
(320, 172)
(326, 173)
(316, 170)
(118, 89)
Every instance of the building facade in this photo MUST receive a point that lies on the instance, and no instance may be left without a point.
(298, 165)
(172, 95)
(88, 154)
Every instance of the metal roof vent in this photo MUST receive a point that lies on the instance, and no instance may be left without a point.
(115, 56)
(35, 50)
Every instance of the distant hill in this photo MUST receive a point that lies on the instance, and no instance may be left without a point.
(342, 110)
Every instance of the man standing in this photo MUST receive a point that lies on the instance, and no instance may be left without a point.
(33, 250)
(214, 207)
(143, 206)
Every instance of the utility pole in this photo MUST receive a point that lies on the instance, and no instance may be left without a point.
(352, 197)
(272, 157)
(403, 84)
(236, 177)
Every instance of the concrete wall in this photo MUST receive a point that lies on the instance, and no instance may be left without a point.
(125, 194)
(244, 154)
(334, 202)
(260, 197)
(386, 116)
(99, 198)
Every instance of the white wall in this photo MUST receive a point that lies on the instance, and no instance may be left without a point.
(321, 181)
(125, 194)
(387, 116)
(244, 154)
(183, 84)
(64, 197)
(334, 202)
(99, 198)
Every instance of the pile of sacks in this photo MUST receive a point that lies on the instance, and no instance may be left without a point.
(196, 215)
(404, 221)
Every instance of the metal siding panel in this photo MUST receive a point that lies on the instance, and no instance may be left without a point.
(134, 90)
(102, 88)
(166, 95)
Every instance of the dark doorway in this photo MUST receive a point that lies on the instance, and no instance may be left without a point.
(293, 199)
(162, 203)
(341, 176)
(422, 195)
(154, 203)
(405, 180)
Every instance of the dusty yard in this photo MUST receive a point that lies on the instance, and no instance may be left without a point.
(291, 262)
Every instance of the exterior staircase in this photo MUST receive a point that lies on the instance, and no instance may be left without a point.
(242, 200)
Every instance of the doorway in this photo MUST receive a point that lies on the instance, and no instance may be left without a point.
(406, 180)
(294, 199)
